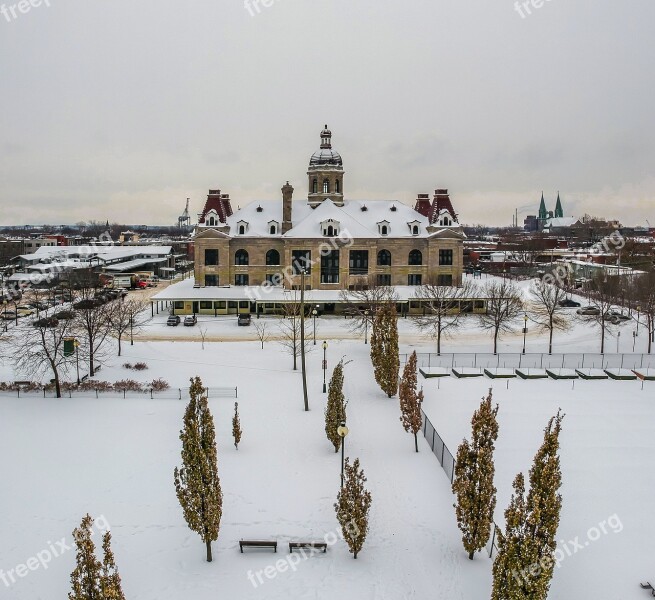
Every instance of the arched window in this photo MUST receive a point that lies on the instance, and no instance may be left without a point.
(242, 229)
(241, 258)
(415, 257)
(330, 231)
(211, 221)
(315, 186)
(384, 258)
(272, 258)
(337, 187)
(326, 186)
(415, 230)
(384, 230)
(273, 230)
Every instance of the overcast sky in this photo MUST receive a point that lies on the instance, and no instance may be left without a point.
(120, 110)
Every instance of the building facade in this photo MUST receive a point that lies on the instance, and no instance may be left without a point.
(338, 243)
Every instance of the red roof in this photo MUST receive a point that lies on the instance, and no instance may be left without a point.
(219, 203)
(441, 201)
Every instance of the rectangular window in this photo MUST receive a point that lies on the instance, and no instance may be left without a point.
(211, 280)
(220, 305)
(358, 262)
(244, 304)
(414, 279)
(179, 305)
(445, 280)
(241, 279)
(274, 279)
(211, 257)
(445, 257)
(232, 304)
(384, 279)
(330, 267)
(301, 259)
(204, 305)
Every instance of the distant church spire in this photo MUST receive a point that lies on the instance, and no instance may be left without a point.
(543, 213)
(559, 213)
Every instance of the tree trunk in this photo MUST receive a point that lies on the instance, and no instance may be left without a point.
(471, 554)
(550, 340)
(120, 336)
(439, 341)
(57, 384)
(91, 369)
(416, 441)
(602, 337)
(209, 551)
(496, 341)
(355, 555)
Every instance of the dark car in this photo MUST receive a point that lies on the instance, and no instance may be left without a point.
(63, 315)
(244, 319)
(87, 304)
(568, 303)
(588, 311)
(46, 322)
(190, 321)
(173, 320)
(616, 317)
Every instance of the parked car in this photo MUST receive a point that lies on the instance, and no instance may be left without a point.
(141, 285)
(190, 321)
(64, 315)
(244, 319)
(25, 311)
(173, 320)
(87, 304)
(568, 303)
(9, 315)
(39, 305)
(46, 322)
(617, 317)
(588, 311)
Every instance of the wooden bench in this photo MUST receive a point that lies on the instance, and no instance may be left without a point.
(648, 586)
(256, 544)
(313, 545)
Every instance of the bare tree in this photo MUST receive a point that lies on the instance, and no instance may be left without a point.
(603, 294)
(203, 335)
(38, 350)
(127, 315)
(441, 309)
(643, 300)
(504, 305)
(362, 304)
(546, 311)
(94, 324)
(262, 332)
(290, 326)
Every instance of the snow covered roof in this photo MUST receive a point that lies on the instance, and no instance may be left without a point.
(105, 253)
(560, 222)
(358, 218)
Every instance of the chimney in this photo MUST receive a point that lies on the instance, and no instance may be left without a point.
(423, 204)
(287, 195)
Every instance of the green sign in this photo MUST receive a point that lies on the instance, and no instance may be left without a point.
(69, 346)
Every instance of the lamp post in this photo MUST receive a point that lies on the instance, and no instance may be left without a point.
(314, 313)
(325, 344)
(638, 310)
(525, 329)
(4, 303)
(342, 430)
(77, 359)
(618, 339)
(366, 313)
(131, 330)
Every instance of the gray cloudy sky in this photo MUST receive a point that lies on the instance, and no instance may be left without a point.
(119, 110)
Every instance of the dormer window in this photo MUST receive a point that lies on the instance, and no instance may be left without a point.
(383, 227)
(445, 221)
(242, 227)
(330, 228)
(414, 227)
(211, 219)
(273, 227)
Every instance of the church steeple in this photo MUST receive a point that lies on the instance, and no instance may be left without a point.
(325, 173)
(559, 212)
(543, 213)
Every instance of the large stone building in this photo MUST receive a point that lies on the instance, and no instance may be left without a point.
(339, 243)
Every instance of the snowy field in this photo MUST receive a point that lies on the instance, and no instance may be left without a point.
(115, 458)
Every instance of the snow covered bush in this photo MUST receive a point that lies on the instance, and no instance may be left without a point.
(159, 385)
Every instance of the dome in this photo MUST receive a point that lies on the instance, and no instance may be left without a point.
(326, 157)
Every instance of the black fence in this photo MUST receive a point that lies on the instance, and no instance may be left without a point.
(447, 462)
(170, 394)
(517, 360)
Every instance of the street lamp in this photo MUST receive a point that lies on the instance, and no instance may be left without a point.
(638, 309)
(525, 329)
(4, 303)
(76, 343)
(366, 313)
(342, 430)
(314, 313)
(324, 364)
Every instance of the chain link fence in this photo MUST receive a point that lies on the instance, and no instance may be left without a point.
(447, 462)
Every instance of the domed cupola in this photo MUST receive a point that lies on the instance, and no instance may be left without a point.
(325, 173)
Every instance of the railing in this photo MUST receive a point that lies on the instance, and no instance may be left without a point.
(447, 462)
(170, 394)
(516, 360)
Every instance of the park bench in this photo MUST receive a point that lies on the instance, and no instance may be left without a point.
(256, 544)
(648, 586)
(313, 545)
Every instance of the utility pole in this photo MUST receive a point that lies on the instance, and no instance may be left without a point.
(302, 337)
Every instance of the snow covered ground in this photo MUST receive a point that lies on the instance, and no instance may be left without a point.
(115, 458)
